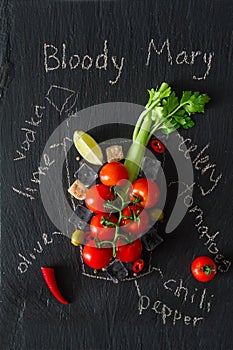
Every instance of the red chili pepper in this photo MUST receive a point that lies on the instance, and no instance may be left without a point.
(49, 277)
(157, 146)
(138, 265)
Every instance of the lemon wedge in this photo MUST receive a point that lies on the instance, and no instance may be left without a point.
(88, 147)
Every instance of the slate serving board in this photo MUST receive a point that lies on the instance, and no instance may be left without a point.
(50, 70)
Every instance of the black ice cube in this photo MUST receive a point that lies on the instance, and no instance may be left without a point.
(80, 217)
(151, 239)
(116, 271)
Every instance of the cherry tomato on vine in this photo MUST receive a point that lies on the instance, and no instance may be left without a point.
(96, 258)
(137, 226)
(96, 197)
(129, 252)
(104, 232)
(147, 190)
(203, 269)
(111, 173)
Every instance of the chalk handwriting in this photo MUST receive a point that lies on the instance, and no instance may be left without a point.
(35, 178)
(59, 59)
(23, 192)
(187, 187)
(165, 312)
(198, 296)
(27, 261)
(29, 134)
(201, 164)
(202, 228)
(210, 239)
(119, 68)
(63, 144)
(182, 57)
(56, 57)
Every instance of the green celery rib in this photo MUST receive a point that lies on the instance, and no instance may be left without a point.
(136, 151)
(134, 159)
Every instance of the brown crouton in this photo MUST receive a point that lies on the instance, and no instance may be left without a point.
(78, 190)
(114, 153)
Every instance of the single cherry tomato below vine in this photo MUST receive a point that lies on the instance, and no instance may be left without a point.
(129, 252)
(147, 190)
(96, 197)
(96, 258)
(203, 269)
(113, 172)
(101, 226)
(137, 226)
(157, 146)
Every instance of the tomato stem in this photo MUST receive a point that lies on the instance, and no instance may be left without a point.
(134, 217)
(108, 205)
(208, 269)
(106, 222)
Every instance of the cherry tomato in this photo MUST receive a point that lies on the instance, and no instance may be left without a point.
(112, 173)
(135, 227)
(129, 252)
(203, 268)
(96, 197)
(97, 258)
(147, 190)
(157, 146)
(102, 232)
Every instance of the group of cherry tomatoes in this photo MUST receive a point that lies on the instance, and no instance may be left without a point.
(116, 233)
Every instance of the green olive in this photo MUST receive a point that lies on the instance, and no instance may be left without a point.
(156, 214)
(77, 237)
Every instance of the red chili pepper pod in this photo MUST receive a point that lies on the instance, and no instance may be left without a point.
(138, 265)
(49, 277)
(157, 146)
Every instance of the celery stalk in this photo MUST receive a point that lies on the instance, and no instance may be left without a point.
(134, 159)
(136, 151)
(163, 112)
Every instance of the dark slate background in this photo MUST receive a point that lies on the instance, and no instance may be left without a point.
(102, 315)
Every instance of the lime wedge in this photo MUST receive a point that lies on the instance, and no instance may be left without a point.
(88, 147)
